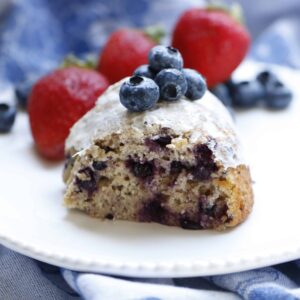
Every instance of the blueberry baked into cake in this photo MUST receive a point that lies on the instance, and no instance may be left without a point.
(150, 152)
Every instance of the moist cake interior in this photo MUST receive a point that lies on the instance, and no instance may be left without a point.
(158, 177)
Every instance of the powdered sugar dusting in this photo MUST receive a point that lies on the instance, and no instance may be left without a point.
(205, 120)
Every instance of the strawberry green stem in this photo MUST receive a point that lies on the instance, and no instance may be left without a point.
(234, 10)
(155, 32)
(71, 60)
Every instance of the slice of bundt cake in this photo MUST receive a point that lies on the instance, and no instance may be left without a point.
(178, 164)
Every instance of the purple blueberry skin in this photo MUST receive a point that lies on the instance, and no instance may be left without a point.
(22, 92)
(139, 94)
(154, 210)
(205, 163)
(7, 117)
(176, 167)
(196, 85)
(144, 71)
(162, 57)
(172, 84)
(266, 77)
(278, 96)
(248, 94)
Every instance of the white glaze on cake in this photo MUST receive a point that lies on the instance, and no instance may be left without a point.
(207, 121)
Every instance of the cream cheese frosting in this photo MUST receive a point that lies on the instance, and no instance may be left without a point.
(206, 120)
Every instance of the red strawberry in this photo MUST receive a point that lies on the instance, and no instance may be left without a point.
(57, 101)
(212, 42)
(125, 50)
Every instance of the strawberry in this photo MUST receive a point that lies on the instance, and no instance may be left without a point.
(211, 41)
(57, 101)
(125, 50)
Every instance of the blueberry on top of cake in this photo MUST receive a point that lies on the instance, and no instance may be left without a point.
(161, 150)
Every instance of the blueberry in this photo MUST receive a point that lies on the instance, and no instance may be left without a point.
(153, 210)
(145, 71)
(139, 93)
(172, 84)
(222, 93)
(278, 96)
(89, 184)
(99, 165)
(162, 141)
(22, 91)
(109, 216)
(187, 223)
(176, 167)
(266, 77)
(248, 94)
(7, 117)
(161, 57)
(141, 169)
(196, 85)
(158, 143)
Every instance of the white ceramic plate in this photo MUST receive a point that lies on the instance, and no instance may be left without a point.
(34, 222)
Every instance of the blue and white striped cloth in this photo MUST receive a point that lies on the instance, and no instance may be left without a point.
(35, 35)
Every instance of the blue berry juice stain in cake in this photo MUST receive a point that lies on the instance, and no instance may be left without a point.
(153, 210)
(141, 170)
(99, 165)
(89, 183)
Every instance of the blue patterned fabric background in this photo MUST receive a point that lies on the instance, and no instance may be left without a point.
(35, 35)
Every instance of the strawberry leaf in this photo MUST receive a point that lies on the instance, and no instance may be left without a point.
(234, 10)
(89, 62)
(155, 32)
